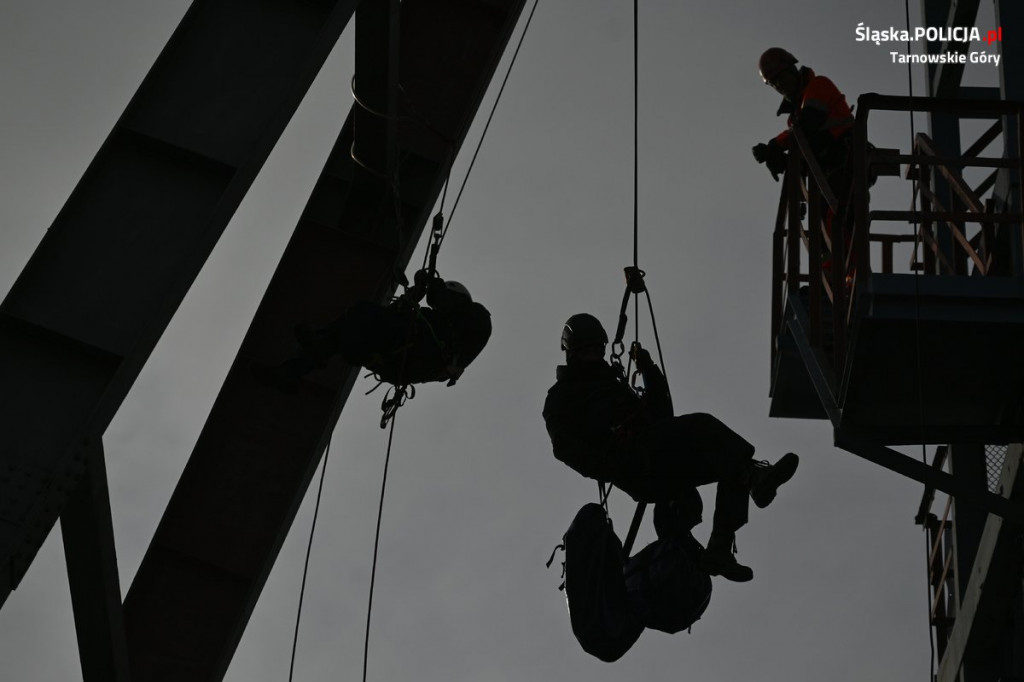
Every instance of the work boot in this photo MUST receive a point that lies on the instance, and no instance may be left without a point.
(720, 559)
(766, 478)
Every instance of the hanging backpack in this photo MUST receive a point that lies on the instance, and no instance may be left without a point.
(600, 612)
(665, 584)
(666, 589)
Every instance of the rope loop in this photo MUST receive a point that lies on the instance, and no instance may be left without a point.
(395, 397)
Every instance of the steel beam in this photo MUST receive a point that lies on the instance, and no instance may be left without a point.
(240, 491)
(79, 323)
(963, 491)
(89, 550)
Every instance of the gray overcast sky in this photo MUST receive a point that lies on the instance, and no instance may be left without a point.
(475, 500)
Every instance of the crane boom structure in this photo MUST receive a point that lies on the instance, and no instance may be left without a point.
(87, 311)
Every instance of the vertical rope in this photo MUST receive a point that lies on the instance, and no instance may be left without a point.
(376, 546)
(305, 567)
(917, 240)
(636, 130)
(917, 333)
(636, 161)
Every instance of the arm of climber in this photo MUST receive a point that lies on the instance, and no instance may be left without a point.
(581, 438)
(474, 333)
(657, 399)
(472, 330)
(599, 463)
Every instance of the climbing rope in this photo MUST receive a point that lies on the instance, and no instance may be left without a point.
(439, 228)
(917, 327)
(636, 133)
(397, 395)
(376, 546)
(490, 116)
(398, 278)
(634, 275)
(394, 399)
(397, 398)
(635, 285)
(305, 566)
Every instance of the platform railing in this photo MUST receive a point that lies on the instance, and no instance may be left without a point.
(824, 245)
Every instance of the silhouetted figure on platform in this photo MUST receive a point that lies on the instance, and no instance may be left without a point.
(600, 428)
(402, 343)
(815, 106)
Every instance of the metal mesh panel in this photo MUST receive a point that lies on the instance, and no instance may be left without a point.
(995, 455)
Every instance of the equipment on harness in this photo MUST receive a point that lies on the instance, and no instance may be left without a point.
(634, 285)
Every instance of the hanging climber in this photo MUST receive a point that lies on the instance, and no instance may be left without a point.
(402, 343)
(815, 106)
(599, 427)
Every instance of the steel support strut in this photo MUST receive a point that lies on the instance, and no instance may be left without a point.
(88, 535)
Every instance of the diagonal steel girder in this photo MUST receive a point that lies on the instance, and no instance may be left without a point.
(87, 310)
(88, 534)
(228, 517)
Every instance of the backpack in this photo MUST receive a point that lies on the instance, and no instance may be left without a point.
(602, 617)
(611, 599)
(665, 586)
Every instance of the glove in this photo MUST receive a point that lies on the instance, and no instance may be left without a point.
(773, 155)
(760, 152)
(640, 356)
(421, 278)
(776, 159)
